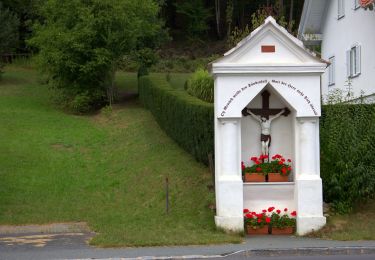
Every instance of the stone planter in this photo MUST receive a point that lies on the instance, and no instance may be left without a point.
(257, 231)
(254, 177)
(282, 231)
(276, 177)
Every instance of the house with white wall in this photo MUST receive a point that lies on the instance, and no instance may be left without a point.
(346, 33)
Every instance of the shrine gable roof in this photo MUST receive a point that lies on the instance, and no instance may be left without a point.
(267, 49)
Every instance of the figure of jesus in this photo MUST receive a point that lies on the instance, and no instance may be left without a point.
(265, 124)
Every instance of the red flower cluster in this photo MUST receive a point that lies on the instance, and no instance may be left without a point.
(259, 160)
(258, 217)
(269, 216)
(281, 161)
(278, 164)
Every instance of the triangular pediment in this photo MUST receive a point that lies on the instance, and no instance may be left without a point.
(270, 45)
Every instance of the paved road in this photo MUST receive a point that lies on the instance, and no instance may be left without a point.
(320, 257)
(74, 246)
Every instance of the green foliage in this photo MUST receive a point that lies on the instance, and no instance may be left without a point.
(82, 43)
(81, 103)
(9, 30)
(282, 220)
(197, 17)
(347, 154)
(181, 64)
(237, 35)
(8, 33)
(201, 85)
(186, 119)
(257, 19)
(142, 71)
(147, 57)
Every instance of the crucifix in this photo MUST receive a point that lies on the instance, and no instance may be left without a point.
(264, 116)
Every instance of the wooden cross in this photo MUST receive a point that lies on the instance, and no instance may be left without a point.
(265, 111)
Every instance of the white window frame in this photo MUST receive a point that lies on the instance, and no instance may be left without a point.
(353, 61)
(340, 9)
(331, 71)
(356, 4)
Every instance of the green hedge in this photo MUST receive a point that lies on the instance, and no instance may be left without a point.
(347, 138)
(186, 119)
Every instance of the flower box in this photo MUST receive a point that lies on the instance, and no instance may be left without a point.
(277, 177)
(254, 177)
(257, 231)
(282, 231)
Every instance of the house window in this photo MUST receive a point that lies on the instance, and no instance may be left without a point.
(356, 4)
(340, 9)
(353, 61)
(331, 71)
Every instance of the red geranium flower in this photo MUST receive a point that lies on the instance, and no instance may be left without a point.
(254, 158)
(257, 162)
(285, 210)
(280, 163)
(283, 170)
(278, 211)
(259, 169)
(248, 216)
(246, 211)
(268, 220)
(289, 168)
(270, 209)
(259, 220)
(289, 160)
(294, 213)
(264, 211)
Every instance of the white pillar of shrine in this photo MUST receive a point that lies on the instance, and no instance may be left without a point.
(308, 190)
(229, 185)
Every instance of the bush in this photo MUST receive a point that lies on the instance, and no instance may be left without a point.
(82, 43)
(347, 154)
(186, 119)
(181, 63)
(81, 103)
(201, 85)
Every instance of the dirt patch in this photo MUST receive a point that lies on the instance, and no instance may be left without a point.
(62, 147)
(81, 227)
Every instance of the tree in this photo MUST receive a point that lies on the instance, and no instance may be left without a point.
(217, 17)
(197, 17)
(27, 13)
(8, 33)
(82, 43)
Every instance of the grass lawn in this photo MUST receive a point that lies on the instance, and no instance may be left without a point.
(359, 225)
(107, 170)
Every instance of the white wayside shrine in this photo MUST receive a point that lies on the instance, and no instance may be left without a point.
(269, 71)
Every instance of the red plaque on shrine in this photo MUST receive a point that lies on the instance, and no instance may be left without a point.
(268, 48)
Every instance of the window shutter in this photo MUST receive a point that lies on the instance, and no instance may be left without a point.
(348, 63)
(333, 70)
(358, 59)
